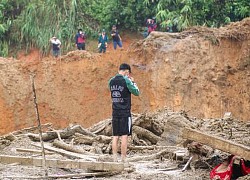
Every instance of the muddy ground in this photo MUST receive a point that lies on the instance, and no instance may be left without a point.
(163, 167)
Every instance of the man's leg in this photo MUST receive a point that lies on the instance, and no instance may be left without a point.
(119, 43)
(115, 44)
(83, 46)
(57, 53)
(115, 147)
(124, 146)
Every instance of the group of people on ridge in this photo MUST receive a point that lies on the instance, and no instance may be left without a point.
(80, 40)
(103, 39)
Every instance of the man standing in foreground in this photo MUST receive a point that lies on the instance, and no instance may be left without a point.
(121, 86)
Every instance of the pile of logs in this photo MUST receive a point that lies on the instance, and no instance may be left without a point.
(98, 138)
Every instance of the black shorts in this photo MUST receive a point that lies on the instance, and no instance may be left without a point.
(121, 126)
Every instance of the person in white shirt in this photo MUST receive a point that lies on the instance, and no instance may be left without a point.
(56, 44)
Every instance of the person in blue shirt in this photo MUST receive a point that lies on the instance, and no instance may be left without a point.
(103, 42)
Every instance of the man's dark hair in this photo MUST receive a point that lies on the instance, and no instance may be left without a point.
(125, 66)
(79, 30)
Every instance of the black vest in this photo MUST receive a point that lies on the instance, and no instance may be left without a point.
(121, 97)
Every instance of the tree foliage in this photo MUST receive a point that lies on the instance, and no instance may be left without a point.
(31, 23)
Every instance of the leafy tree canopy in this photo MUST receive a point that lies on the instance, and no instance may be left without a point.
(31, 23)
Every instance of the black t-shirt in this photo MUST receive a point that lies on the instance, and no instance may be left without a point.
(116, 36)
(121, 97)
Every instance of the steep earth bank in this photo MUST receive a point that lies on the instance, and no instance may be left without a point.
(205, 72)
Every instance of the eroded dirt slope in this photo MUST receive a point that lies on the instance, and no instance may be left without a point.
(203, 71)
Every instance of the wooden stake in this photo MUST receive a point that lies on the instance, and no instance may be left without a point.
(39, 123)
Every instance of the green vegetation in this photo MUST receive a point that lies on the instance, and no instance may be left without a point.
(31, 23)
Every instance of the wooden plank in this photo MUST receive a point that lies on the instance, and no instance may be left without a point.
(153, 147)
(34, 151)
(78, 175)
(69, 164)
(218, 143)
(67, 153)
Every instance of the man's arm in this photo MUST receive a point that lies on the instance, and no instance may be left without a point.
(132, 87)
(59, 43)
(76, 38)
(109, 82)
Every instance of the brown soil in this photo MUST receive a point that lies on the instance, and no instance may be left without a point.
(202, 71)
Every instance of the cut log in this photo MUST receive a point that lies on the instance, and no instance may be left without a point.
(103, 139)
(67, 153)
(97, 128)
(149, 157)
(217, 143)
(149, 123)
(65, 133)
(68, 164)
(83, 139)
(135, 139)
(144, 133)
(70, 148)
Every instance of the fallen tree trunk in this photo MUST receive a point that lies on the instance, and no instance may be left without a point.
(149, 157)
(144, 133)
(68, 153)
(83, 139)
(146, 122)
(217, 143)
(68, 147)
(99, 127)
(65, 133)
